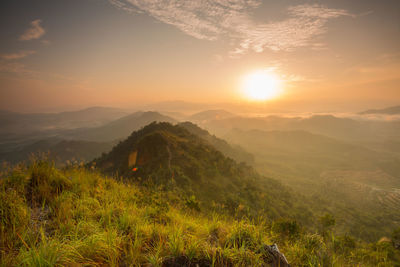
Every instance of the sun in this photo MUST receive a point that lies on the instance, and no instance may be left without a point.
(262, 85)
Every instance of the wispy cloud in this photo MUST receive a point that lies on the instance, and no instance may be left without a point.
(16, 68)
(18, 55)
(214, 19)
(34, 32)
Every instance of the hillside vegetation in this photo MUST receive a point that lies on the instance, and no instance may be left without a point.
(357, 184)
(74, 216)
(170, 156)
(168, 195)
(188, 159)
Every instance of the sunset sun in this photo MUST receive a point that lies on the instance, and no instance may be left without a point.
(261, 85)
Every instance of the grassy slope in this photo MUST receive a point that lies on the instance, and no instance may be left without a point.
(76, 217)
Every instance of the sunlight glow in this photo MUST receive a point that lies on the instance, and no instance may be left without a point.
(262, 85)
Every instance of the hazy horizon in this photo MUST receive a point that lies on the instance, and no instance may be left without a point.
(239, 108)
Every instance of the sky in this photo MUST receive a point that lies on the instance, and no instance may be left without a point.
(328, 55)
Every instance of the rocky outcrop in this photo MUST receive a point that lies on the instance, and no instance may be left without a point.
(274, 257)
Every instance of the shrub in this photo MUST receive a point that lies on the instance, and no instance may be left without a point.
(242, 235)
(45, 182)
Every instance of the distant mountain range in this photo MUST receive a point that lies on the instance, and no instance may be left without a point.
(388, 111)
(215, 114)
(120, 128)
(20, 123)
(79, 143)
(340, 128)
(59, 150)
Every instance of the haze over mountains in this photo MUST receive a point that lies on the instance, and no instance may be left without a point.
(240, 166)
(305, 153)
(17, 123)
(45, 139)
(109, 124)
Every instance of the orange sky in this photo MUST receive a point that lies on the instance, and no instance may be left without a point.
(60, 55)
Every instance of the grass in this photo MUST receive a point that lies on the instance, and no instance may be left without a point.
(77, 217)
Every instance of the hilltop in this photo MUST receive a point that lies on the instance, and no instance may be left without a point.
(172, 156)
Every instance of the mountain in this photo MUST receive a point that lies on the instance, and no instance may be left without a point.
(171, 156)
(387, 111)
(335, 127)
(59, 150)
(177, 106)
(179, 116)
(17, 123)
(208, 115)
(117, 129)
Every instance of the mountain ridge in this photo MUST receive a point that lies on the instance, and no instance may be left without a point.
(388, 111)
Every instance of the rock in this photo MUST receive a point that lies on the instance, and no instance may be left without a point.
(274, 257)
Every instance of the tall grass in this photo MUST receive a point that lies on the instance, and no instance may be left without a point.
(74, 217)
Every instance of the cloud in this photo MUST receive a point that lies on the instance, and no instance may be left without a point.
(18, 55)
(216, 19)
(34, 32)
(16, 68)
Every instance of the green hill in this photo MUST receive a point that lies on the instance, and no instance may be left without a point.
(170, 155)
